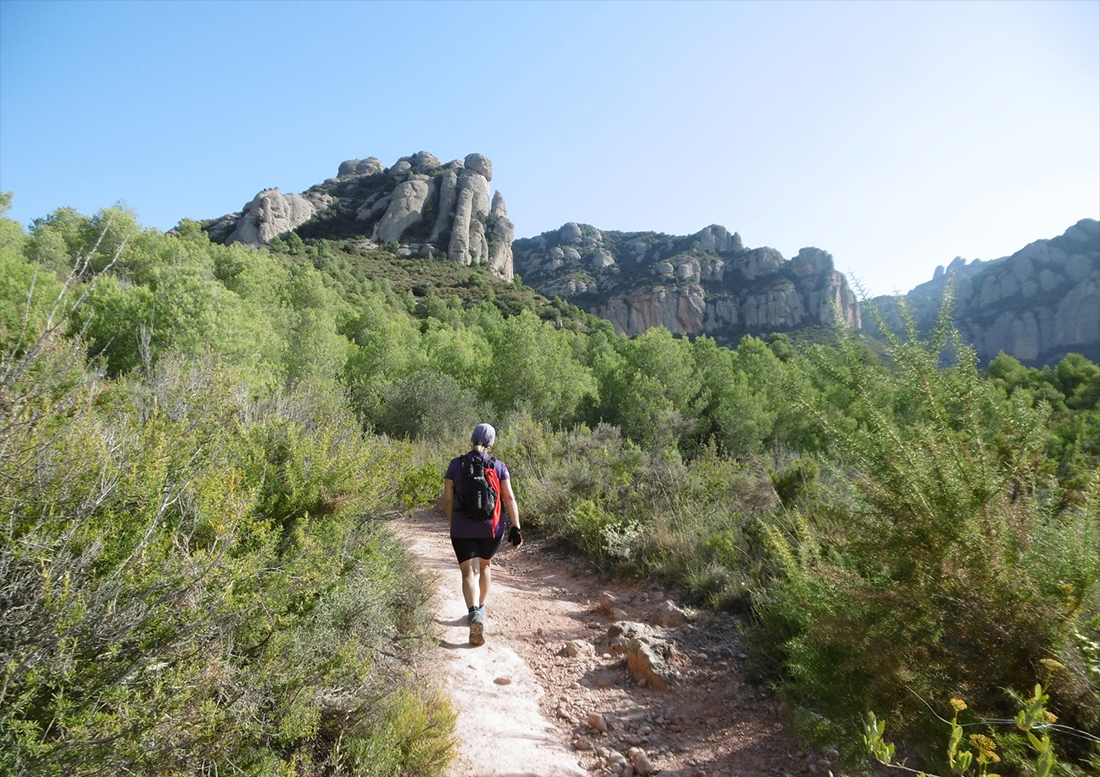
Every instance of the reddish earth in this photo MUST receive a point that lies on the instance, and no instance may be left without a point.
(524, 704)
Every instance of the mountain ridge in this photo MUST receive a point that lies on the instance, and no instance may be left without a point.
(704, 283)
(1036, 305)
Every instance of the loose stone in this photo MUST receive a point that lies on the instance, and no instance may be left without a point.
(597, 721)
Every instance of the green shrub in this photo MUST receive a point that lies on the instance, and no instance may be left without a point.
(420, 487)
(427, 404)
(792, 481)
(647, 515)
(414, 734)
(191, 579)
(941, 565)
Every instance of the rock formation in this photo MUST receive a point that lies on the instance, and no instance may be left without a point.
(706, 283)
(469, 243)
(420, 204)
(270, 214)
(1037, 305)
(500, 233)
(404, 208)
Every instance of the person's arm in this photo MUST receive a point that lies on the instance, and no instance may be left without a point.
(448, 498)
(510, 501)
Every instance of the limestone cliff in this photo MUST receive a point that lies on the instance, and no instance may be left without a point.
(706, 283)
(423, 206)
(1037, 305)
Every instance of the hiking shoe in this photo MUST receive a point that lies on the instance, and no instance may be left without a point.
(477, 627)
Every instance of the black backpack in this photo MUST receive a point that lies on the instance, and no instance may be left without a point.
(478, 490)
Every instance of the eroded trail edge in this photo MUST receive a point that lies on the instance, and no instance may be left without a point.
(549, 696)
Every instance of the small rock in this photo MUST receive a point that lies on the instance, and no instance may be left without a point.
(503, 681)
(597, 722)
(582, 743)
(668, 614)
(578, 647)
(641, 762)
(609, 601)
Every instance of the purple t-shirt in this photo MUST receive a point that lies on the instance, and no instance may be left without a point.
(464, 528)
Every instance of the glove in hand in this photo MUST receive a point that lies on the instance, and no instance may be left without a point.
(515, 537)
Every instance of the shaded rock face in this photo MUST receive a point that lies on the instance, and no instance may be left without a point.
(706, 283)
(272, 213)
(420, 204)
(500, 233)
(404, 208)
(469, 243)
(1037, 305)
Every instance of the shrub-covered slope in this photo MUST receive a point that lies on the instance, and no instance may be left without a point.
(893, 532)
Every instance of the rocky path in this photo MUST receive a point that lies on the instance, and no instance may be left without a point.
(568, 682)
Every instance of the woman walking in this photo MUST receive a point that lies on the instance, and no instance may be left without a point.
(477, 523)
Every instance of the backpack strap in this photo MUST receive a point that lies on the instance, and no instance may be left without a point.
(467, 460)
(494, 482)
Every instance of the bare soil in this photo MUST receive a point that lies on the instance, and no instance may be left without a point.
(525, 705)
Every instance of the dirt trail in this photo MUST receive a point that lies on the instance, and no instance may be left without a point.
(525, 698)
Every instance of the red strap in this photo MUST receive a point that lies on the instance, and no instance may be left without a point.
(494, 483)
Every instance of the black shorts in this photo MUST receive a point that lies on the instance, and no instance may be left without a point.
(466, 549)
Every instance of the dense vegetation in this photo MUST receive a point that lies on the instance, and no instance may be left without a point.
(190, 579)
(194, 453)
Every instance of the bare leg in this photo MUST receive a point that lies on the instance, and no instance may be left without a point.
(469, 571)
(475, 577)
(486, 579)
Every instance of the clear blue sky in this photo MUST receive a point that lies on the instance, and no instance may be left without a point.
(894, 135)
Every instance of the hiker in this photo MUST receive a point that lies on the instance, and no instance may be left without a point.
(477, 525)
